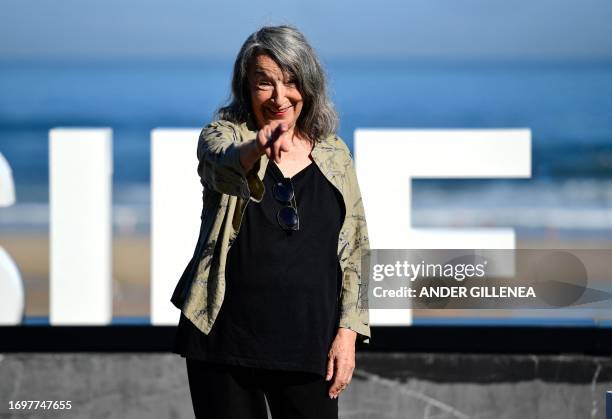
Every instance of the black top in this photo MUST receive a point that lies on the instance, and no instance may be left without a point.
(280, 309)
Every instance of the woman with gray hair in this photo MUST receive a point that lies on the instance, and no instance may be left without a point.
(272, 302)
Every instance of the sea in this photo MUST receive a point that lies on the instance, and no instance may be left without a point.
(567, 106)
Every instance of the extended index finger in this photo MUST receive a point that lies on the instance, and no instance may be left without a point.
(276, 130)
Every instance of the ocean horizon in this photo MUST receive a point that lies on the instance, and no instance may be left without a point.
(568, 108)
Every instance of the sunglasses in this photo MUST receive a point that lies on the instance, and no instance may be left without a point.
(287, 217)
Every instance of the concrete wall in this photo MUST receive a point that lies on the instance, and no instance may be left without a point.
(385, 385)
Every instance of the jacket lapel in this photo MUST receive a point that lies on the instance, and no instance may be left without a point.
(328, 157)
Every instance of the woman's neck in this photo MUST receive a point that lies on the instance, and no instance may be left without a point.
(298, 140)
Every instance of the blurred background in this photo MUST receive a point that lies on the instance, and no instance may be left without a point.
(134, 66)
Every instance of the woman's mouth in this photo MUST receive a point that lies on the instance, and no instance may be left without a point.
(279, 112)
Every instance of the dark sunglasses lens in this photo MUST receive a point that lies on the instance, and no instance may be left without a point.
(283, 192)
(287, 218)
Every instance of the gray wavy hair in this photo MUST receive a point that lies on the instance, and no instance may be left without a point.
(294, 55)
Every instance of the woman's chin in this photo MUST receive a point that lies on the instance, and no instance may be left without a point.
(288, 121)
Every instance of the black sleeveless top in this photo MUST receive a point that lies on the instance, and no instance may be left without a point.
(281, 308)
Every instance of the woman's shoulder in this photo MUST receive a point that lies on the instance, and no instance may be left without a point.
(336, 144)
(220, 125)
(218, 128)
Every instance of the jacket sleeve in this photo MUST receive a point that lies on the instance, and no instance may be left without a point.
(219, 165)
(354, 302)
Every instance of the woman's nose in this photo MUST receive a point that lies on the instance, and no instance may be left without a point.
(279, 94)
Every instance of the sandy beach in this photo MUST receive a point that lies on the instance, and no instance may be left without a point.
(131, 267)
(131, 272)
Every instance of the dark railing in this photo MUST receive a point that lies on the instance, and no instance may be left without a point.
(126, 336)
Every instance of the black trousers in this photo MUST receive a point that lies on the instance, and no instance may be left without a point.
(234, 392)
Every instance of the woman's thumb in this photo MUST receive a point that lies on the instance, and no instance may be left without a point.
(330, 369)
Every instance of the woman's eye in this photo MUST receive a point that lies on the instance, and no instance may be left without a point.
(264, 84)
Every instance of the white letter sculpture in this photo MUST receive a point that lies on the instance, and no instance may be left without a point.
(80, 190)
(12, 297)
(176, 205)
(388, 159)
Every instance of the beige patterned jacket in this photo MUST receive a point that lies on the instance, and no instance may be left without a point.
(227, 190)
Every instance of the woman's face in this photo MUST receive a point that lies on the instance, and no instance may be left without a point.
(274, 95)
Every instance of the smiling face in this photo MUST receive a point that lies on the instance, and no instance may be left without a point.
(274, 94)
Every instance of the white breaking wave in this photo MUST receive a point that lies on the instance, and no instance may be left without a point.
(571, 204)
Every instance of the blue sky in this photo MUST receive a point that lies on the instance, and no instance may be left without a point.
(409, 29)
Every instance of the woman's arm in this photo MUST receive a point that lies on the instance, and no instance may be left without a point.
(354, 318)
(354, 302)
(249, 154)
(221, 165)
(229, 165)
